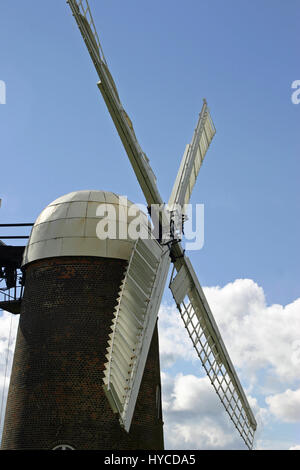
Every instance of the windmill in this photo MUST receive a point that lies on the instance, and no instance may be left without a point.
(135, 315)
(88, 307)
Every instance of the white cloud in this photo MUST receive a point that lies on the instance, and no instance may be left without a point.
(5, 320)
(8, 323)
(263, 342)
(204, 434)
(174, 342)
(194, 417)
(285, 406)
(295, 447)
(257, 336)
(193, 394)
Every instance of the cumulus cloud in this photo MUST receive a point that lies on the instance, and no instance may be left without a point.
(8, 325)
(258, 336)
(192, 394)
(194, 417)
(295, 447)
(174, 341)
(263, 342)
(286, 405)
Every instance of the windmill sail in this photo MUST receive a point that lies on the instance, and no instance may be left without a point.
(207, 341)
(135, 314)
(83, 16)
(133, 326)
(192, 160)
(137, 157)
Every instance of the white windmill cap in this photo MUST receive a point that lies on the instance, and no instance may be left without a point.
(86, 223)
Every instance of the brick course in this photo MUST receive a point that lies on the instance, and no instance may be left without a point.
(55, 394)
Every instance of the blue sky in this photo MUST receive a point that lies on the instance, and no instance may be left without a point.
(57, 136)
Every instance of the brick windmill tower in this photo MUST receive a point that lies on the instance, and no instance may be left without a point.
(86, 369)
(73, 280)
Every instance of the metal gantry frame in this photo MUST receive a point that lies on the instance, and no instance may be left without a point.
(11, 275)
(12, 293)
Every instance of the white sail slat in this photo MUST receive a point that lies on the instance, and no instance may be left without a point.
(192, 160)
(132, 331)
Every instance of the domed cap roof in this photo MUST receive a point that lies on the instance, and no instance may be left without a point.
(86, 223)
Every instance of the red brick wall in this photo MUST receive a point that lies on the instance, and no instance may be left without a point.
(55, 393)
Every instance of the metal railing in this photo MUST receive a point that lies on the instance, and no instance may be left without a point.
(12, 293)
(11, 237)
